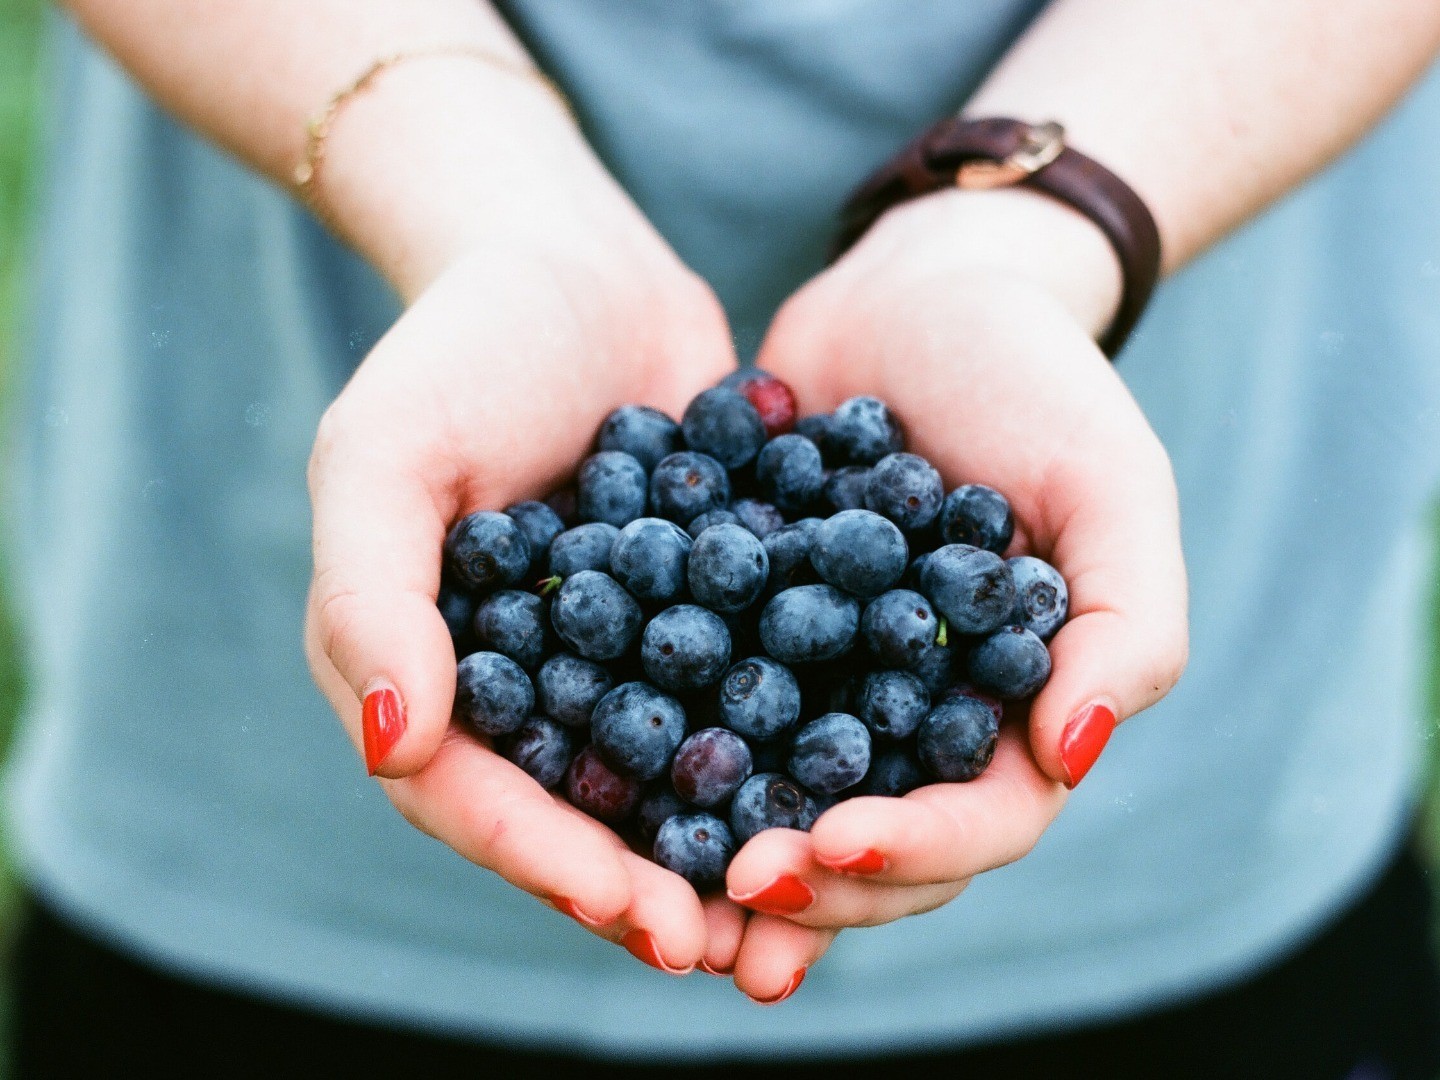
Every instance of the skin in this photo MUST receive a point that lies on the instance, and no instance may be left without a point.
(970, 312)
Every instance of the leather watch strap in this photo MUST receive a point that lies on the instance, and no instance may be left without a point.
(997, 152)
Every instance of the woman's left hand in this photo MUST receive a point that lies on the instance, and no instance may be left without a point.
(974, 317)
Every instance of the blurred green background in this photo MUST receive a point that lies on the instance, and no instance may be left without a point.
(20, 22)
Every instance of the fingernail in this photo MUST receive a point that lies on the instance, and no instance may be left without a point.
(786, 895)
(868, 861)
(641, 945)
(1082, 740)
(722, 972)
(383, 722)
(795, 981)
(566, 906)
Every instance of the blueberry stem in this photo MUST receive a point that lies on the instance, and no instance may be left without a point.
(545, 586)
(942, 635)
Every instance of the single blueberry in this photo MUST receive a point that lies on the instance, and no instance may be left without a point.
(710, 766)
(979, 516)
(711, 517)
(644, 433)
(957, 740)
(598, 790)
(514, 623)
(612, 488)
(994, 704)
(859, 551)
(569, 687)
(1011, 663)
(723, 424)
(543, 749)
(594, 616)
(585, 547)
(773, 399)
(863, 430)
(541, 525)
(899, 626)
(727, 568)
(637, 729)
(1041, 598)
(907, 489)
(658, 806)
(892, 703)
(686, 484)
(649, 559)
(457, 608)
(487, 550)
(893, 772)
(790, 472)
(492, 693)
(788, 549)
(970, 586)
(698, 847)
(759, 699)
(759, 518)
(845, 487)
(809, 623)
(771, 801)
(938, 667)
(685, 648)
(831, 753)
(816, 428)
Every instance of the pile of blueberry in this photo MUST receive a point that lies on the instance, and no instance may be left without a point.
(730, 623)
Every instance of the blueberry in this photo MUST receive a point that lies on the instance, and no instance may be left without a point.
(686, 485)
(543, 749)
(771, 801)
(845, 488)
(809, 623)
(759, 518)
(492, 693)
(859, 551)
(658, 806)
(457, 608)
(711, 517)
(649, 559)
(966, 690)
(1041, 598)
(612, 488)
(893, 772)
(831, 754)
(585, 547)
(759, 699)
(710, 766)
(938, 667)
(566, 504)
(723, 424)
(957, 740)
(594, 616)
(487, 550)
(1011, 663)
(514, 623)
(644, 433)
(970, 586)
(728, 568)
(568, 688)
(598, 790)
(685, 648)
(892, 703)
(863, 430)
(541, 525)
(899, 626)
(637, 729)
(816, 428)
(698, 847)
(906, 489)
(979, 516)
(790, 472)
(788, 549)
(773, 399)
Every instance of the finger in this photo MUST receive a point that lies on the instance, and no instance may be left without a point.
(775, 956)
(944, 832)
(496, 816)
(665, 925)
(725, 923)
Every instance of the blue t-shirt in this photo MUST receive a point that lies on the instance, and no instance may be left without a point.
(182, 789)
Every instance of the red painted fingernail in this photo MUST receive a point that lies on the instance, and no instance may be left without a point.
(722, 972)
(795, 981)
(383, 722)
(868, 861)
(786, 895)
(566, 906)
(641, 945)
(1082, 740)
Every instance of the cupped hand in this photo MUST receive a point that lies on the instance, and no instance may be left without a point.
(974, 318)
(487, 391)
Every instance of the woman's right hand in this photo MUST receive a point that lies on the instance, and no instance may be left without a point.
(487, 391)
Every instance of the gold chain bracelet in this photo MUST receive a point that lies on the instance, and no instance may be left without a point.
(318, 128)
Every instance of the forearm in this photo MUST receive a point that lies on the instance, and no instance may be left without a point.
(439, 155)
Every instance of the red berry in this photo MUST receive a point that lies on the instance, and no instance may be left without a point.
(772, 399)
